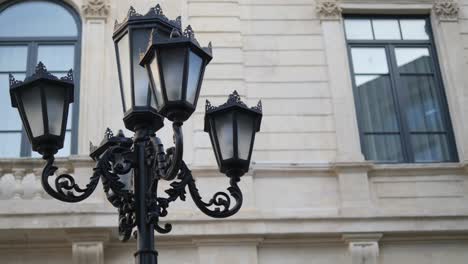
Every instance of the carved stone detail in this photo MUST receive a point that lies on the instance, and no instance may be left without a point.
(96, 9)
(328, 9)
(446, 10)
(364, 248)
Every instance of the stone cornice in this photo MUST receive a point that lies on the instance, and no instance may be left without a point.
(96, 9)
(328, 10)
(446, 10)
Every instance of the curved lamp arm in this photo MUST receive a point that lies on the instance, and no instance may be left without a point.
(65, 186)
(221, 201)
(169, 164)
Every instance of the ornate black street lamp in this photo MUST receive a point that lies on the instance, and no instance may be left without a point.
(169, 87)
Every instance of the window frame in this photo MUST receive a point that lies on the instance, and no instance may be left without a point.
(32, 44)
(399, 100)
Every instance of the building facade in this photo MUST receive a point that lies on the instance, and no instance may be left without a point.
(362, 155)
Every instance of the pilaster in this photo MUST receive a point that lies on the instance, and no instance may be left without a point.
(87, 247)
(449, 43)
(228, 250)
(92, 92)
(347, 132)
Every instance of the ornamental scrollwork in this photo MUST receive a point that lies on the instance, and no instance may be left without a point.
(96, 9)
(446, 10)
(328, 9)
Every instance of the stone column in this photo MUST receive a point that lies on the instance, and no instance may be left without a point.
(364, 248)
(88, 247)
(347, 132)
(450, 48)
(93, 79)
(354, 187)
(227, 250)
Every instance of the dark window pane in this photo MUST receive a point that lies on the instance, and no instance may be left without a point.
(413, 60)
(369, 60)
(414, 29)
(386, 29)
(385, 148)
(377, 109)
(13, 58)
(37, 19)
(10, 144)
(424, 110)
(10, 117)
(430, 147)
(57, 57)
(358, 29)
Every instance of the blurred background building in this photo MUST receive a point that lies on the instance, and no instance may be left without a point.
(363, 151)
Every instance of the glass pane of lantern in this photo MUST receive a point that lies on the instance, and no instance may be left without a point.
(32, 105)
(154, 68)
(193, 76)
(224, 132)
(245, 127)
(213, 142)
(172, 61)
(55, 102)
(124, 59)
(140, 40)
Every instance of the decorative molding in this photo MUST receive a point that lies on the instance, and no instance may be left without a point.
(364, 248)
(329, 9)
(96, 9)
(446, 10)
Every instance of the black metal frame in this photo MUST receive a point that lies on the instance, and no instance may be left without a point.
(32, 44)
(142, 155)
(400, 100)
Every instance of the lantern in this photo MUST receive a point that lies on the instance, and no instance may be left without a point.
(43, 101)
(175, 67)
(232, 127)
(131, 40)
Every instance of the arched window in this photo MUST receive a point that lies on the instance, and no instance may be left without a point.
(33, 31)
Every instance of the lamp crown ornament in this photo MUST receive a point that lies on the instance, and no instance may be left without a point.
(154, 12)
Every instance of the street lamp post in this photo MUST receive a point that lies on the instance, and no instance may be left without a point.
(160, 71)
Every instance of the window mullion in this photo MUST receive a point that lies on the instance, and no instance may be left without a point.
(402, 104)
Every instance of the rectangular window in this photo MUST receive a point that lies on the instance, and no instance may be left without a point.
(401, 106)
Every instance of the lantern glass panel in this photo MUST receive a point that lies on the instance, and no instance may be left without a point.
(173, 61)
(213, 142)
(224, 132)
(193, 76)
(124, 59)
(32, 104)
(141, 87)
(55, 101)
(156, 81)
(245, 127)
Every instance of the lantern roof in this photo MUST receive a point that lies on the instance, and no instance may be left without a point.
(41, 75)
(154, 14)
(234, 102)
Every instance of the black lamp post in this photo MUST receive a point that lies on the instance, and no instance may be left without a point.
(169, 87)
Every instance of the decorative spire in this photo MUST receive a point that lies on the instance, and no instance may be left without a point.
(158, 10)
(188, 32)
(132, 12)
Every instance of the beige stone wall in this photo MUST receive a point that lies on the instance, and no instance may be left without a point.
(310, 197)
